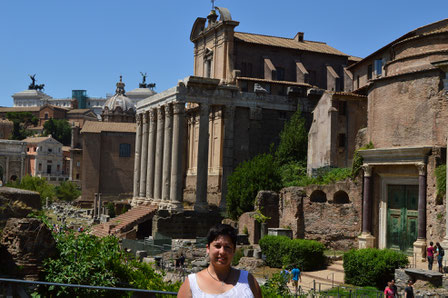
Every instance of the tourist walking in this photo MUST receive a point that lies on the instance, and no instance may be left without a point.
(409, 290)
(430, 255)
(285, 274)
(219, 279)
(388, 292)
(296, 276)
(440, 253)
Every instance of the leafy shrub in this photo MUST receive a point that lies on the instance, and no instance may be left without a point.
(294, 174)
(293, 144)
(358, 160)
(38, 184)
(59, 129)
(111, 209)
(276, 286)
(88, 260)
(282, 251)
(372, 266)
(67, 191)
(259, 173)
(441, 181)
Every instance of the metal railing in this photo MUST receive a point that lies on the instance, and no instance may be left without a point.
(24, 288)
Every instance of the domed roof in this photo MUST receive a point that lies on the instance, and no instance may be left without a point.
(119, 100)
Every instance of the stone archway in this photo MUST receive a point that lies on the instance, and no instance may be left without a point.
(318, 196)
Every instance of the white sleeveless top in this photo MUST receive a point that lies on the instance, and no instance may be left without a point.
(240, 290)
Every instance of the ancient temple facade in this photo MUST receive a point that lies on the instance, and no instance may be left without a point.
(244, 88)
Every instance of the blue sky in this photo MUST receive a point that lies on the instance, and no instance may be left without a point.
(88, 44)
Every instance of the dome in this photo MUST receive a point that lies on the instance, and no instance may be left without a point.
(119, 100)
(119, 108)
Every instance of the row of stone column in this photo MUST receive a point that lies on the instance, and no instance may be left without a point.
(160, 139)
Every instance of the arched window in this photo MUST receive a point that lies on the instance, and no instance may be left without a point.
(341, 197)
(318, 196)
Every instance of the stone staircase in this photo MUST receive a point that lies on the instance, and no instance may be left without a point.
(124, 223)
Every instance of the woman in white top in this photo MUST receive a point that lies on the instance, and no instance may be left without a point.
(219, 279)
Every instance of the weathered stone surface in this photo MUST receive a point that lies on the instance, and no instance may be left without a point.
(334, 220)
(249, 264)
(24, 244)
(17, 203)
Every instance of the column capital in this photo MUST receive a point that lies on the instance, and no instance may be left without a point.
(178, 107)
(367, 170)
(153, 115)
(421, 167)
(145, 118)
(139, 119)
(168, 110)
(160, 113)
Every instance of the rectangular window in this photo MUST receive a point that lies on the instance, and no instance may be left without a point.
(125, 150)
(280, 74)
(369, 72)
(78, 164)
(378, 67)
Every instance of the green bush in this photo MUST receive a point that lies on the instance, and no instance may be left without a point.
(282, 251)
(293, 144)
(59, 129)
(88, 260)
(67, 191)
(441, 180)
(372, 266)
(259, 173)
(276, 286)
(239, 253)
(38, 184)
(294, 174)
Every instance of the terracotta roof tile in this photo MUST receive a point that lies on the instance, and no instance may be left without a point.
(283, 42)
(19, 109)
(98, 127)
(35, 139)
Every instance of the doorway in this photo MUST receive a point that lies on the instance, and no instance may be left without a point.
(402, 217)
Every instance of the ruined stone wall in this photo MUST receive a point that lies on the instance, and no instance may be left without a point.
(331, 214)
(185, 225)
(17, 203)
(24, 244)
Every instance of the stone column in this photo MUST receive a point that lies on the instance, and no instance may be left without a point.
(7, 170)
(159, 154)
(366, 239)
(420, 244)
(138, 143)
(95, 203)
(445, 239)
(227, 152)
(144, 156)
(22, 165)
(202, 166)
(100, 203)
(166, 176)
(177, 178)
(151, 154)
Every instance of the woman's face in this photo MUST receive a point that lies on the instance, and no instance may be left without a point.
(221, 250)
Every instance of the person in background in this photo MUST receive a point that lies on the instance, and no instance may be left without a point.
(296, 276)
(409, 290)
(440, 253)
(285, 274)
(393, 287)
(388, 292)
(430, 255)
(219, 279)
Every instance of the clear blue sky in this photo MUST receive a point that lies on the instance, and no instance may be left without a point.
(87, 44)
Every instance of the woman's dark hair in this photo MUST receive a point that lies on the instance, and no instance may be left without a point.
(221, 230)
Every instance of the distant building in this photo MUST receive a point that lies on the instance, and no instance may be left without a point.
(13, 160)
(6, 128)
(45, 158)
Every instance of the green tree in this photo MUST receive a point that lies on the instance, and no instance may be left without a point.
(67, 191)
(21, 121)
(88, 260)
(259, 173)
(38, 184)
(293, 144)
(59, 129)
